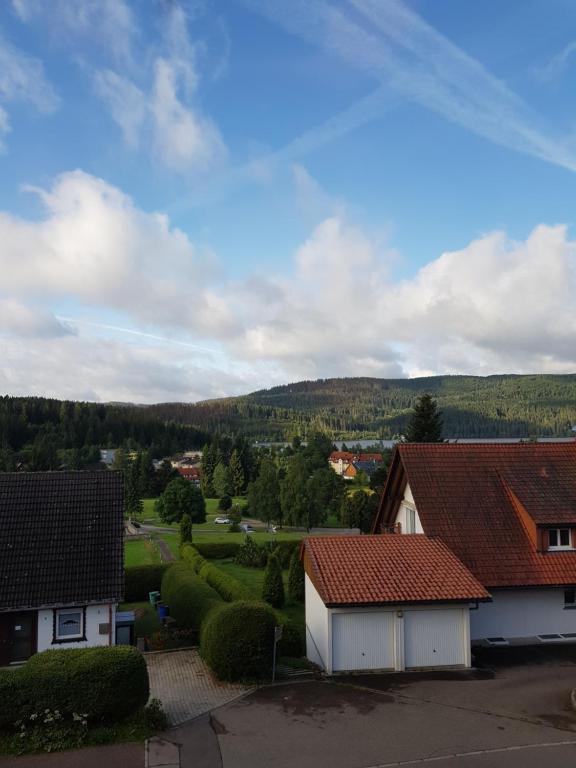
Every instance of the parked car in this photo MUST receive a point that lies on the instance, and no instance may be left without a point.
(246, 528)
(223, 521)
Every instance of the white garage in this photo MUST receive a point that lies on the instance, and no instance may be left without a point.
(387, 602)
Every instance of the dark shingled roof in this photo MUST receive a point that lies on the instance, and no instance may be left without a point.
(61, 538)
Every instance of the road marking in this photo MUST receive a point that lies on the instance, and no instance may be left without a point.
(474, 753)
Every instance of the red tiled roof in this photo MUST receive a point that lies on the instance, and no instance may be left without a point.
(187, 472)
(465, 495)
(374, 570)
(347, 456)
(344, 455)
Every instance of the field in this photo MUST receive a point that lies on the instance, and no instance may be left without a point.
(253, 578)
(140, 552)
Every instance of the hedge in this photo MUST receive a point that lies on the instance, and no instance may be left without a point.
(237, 640)
(108, 684)
(227, 586)
(142, 579)
(188, 597)
(218, 550)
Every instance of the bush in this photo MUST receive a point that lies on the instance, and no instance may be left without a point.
(227, 586)
(273, 586)
(225, 503)
(237, 641)
(185, 529)
(217, 550)
(142, 579)
(189, 598)
(283, 550)
(106, 684)
(251, 555)
(296, 578)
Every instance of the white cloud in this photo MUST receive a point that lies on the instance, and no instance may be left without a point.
(127, 104)
(22, 321)
(94, 244)
(558, 64)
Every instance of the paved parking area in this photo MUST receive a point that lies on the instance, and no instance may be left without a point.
(185, 685)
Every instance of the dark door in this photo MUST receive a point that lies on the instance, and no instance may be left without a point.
(17, 636)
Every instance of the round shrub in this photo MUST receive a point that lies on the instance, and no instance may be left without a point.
(189, 598)
(108, 684)
(237, 641)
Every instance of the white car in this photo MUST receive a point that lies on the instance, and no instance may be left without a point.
(223, 521)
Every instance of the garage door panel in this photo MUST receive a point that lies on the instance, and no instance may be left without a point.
(433, 638)
(362, 641)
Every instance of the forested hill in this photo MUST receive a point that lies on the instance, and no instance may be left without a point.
(473, 406)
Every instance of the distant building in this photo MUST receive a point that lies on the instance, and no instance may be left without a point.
(352, 470)
(107, 456)
(193, 474)
(340, 460)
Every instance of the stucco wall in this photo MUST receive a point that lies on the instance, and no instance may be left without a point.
(316, 626)
(95, 615)
(522, 613)
(408, 500)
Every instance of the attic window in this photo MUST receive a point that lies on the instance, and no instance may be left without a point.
(559, 538)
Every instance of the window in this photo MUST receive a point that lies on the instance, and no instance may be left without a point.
(68, 625)
(410, 520)
(570, 598)
(559, 538)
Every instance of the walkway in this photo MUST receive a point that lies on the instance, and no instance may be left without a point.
(185, 686)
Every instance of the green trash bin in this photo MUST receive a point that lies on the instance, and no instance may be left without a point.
(154, 597)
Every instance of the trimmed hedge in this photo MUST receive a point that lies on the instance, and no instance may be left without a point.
(218, 550)
(237, 641)
(189, 597)
(227, 586)
(142, 579)
(108, 684)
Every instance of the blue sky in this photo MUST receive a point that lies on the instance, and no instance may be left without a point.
(202, 198)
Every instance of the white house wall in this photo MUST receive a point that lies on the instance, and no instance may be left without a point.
(95, 616)
(316, 626)
(522, 614)
(408, 501)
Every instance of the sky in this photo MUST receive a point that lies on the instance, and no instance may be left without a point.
(201, 198)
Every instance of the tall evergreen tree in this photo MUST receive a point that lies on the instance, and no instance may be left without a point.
(132, 495)
(237, 470)
(209, 462)
(273, 586)
(293, 493)
(185, 529)
(264, 494)
(296, 578)
(425, 425)
(222, 481)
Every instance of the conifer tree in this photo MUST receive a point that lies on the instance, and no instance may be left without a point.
(185, 529)
(425, 425)
(273, 586)
(237, 471)
(296, 578)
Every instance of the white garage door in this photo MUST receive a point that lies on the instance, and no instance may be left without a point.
(362, 641)
(434, 638)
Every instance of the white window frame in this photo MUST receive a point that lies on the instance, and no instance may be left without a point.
(559, 546)
(68, 638)
(409, 514)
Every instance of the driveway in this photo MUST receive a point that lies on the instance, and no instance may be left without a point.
(518, 718)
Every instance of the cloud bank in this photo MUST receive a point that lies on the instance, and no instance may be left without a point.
(496, 304)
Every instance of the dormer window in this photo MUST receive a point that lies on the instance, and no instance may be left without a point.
(559, 538)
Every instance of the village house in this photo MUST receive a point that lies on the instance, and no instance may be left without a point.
(340, 461)
(61, 564)
(193, 474)
(473, 544)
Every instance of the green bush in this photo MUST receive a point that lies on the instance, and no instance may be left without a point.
(218, 550)
(283, 550)
(108, 684)
(225, 503)
(237, 641)
(227, 586)
(142, 579)
(251, 555)
(292, 642)
(296, 578)
(188, 597)
(273, 586)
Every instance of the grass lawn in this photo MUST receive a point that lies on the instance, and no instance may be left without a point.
(140, 552)
(253, 578)
(147, 620)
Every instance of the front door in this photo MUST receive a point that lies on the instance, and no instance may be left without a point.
(17, 636)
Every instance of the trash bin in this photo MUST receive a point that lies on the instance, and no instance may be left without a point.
(162, 611)
(154, 597)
